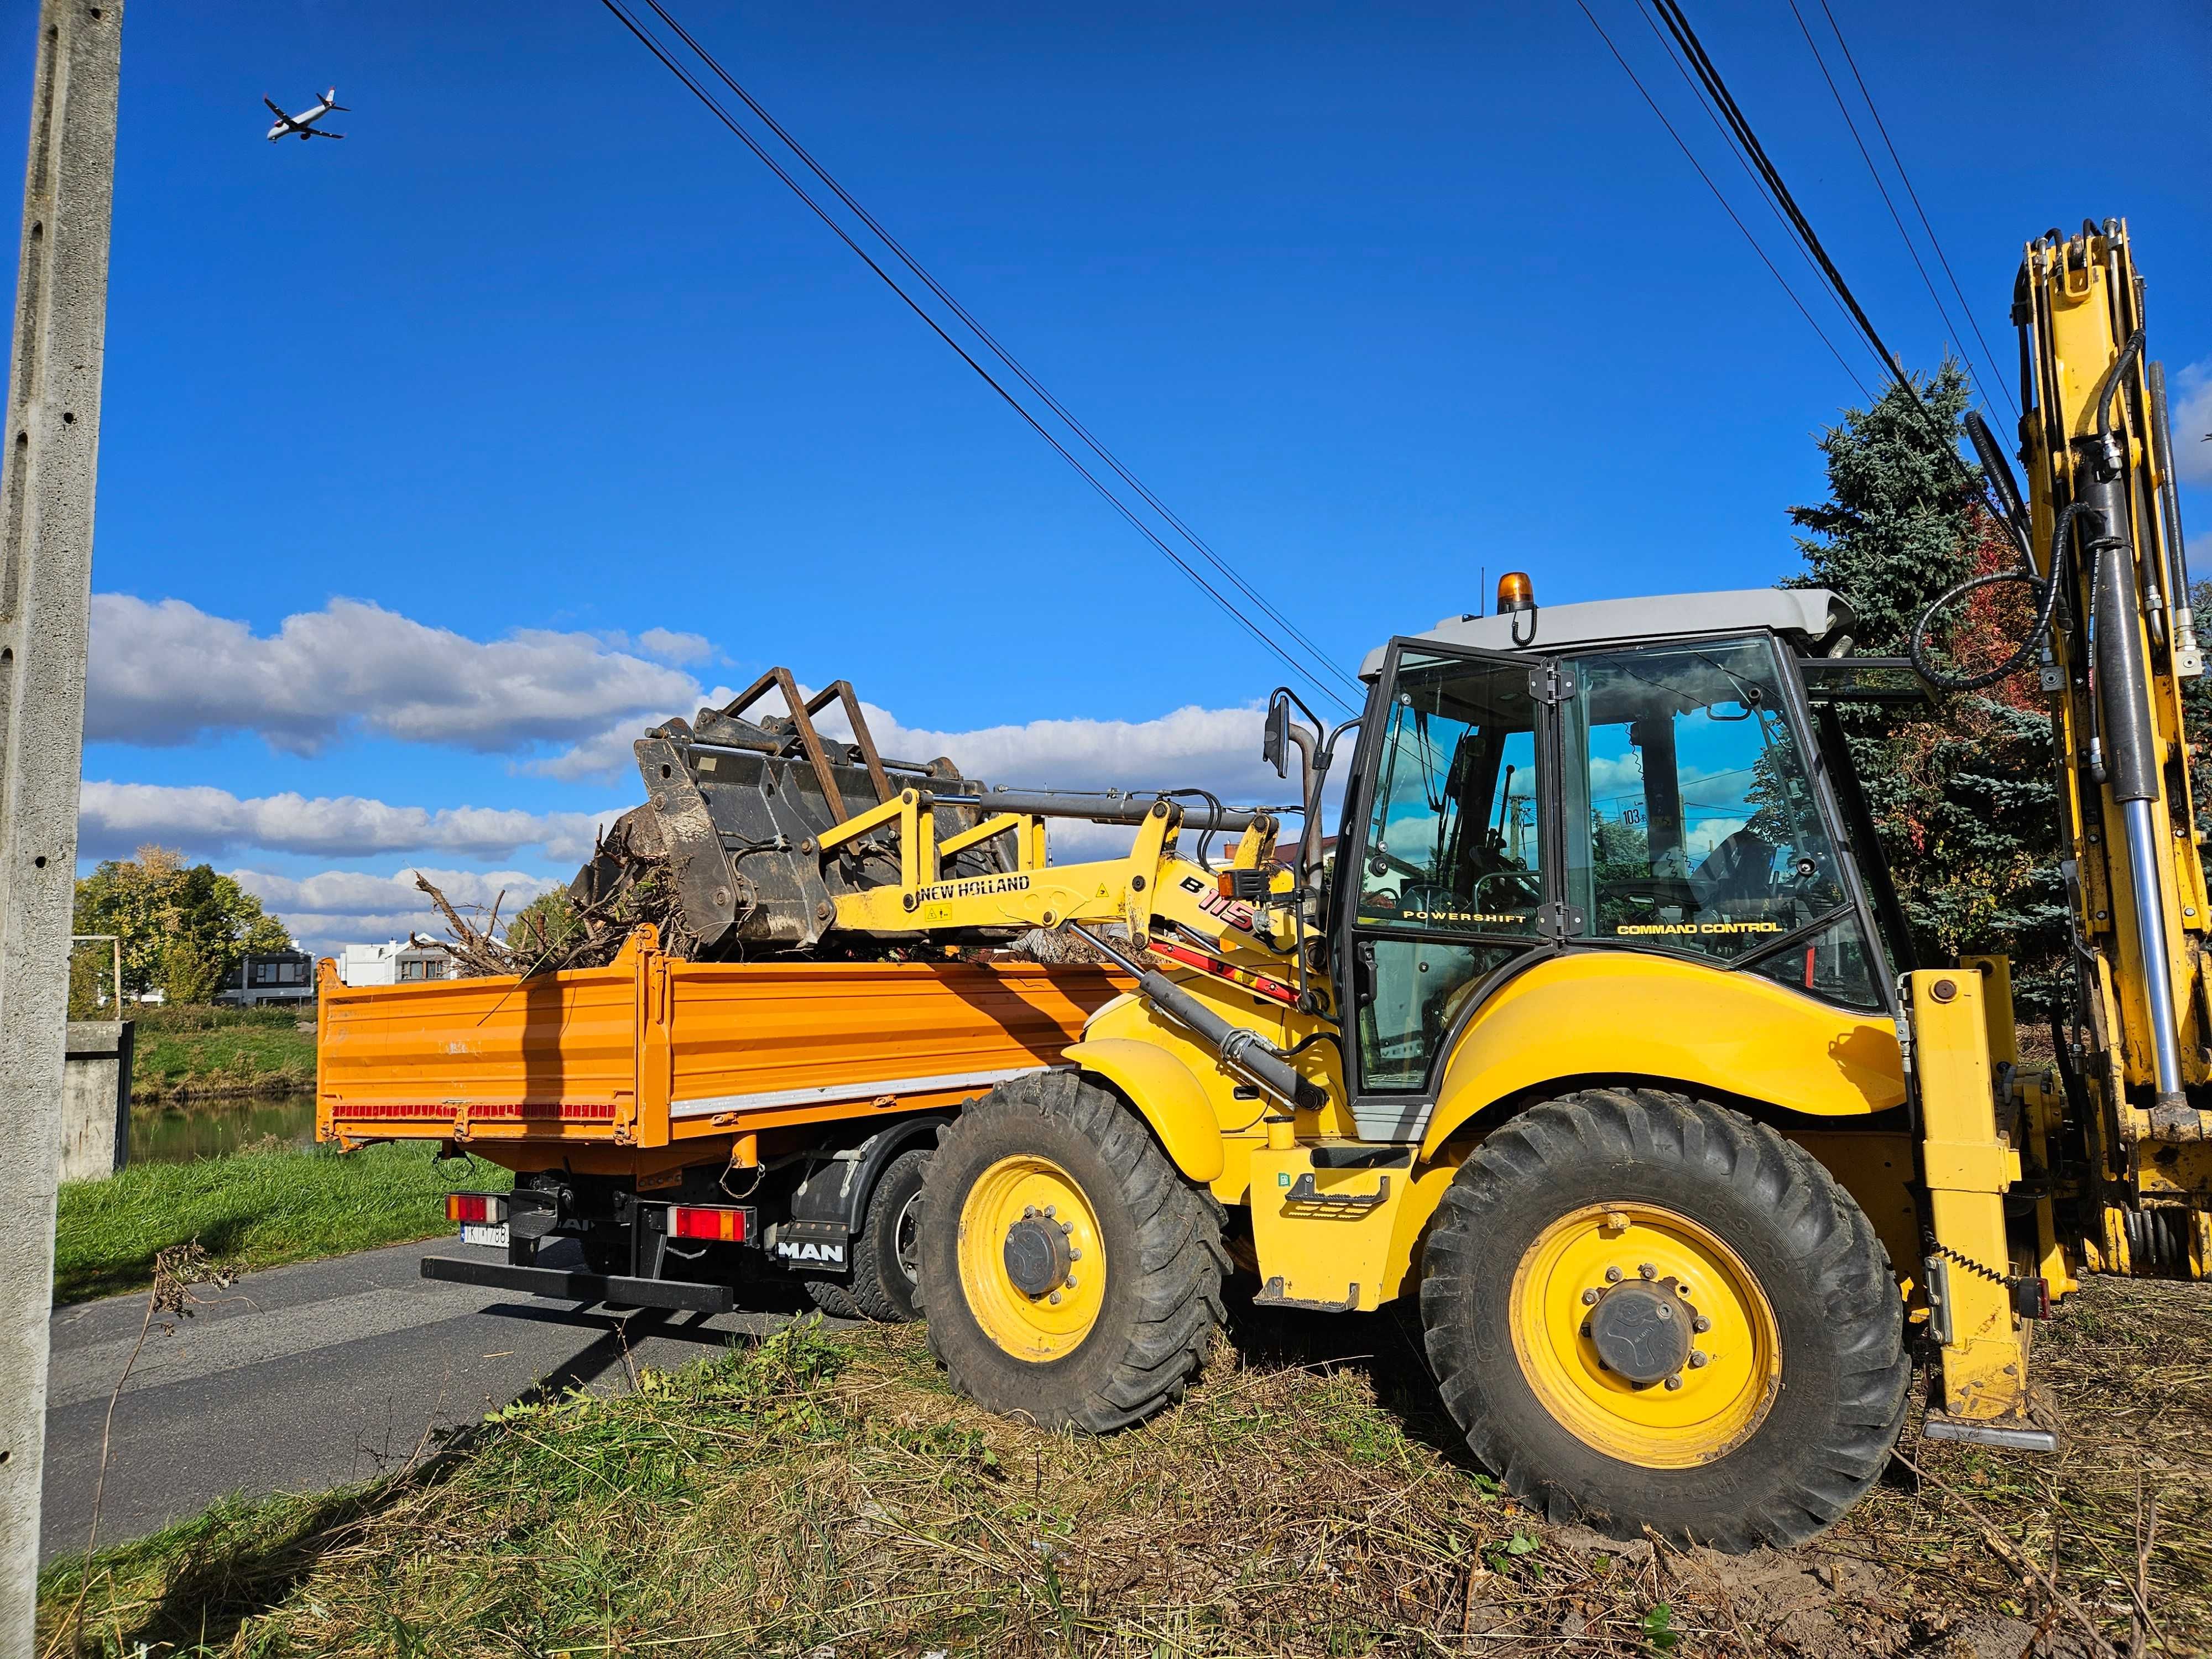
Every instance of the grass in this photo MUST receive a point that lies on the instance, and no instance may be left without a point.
(197, 1053)
(256, 1209)
(815, 1495)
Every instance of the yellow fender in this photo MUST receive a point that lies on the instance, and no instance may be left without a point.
(1598, 1013)
(1162, 1088)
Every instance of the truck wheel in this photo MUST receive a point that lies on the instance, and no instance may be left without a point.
(832, 1297)
(886, 1259)
(1069, 1273)
(1648, 1310)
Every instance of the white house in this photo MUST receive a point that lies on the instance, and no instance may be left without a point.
(396, 961)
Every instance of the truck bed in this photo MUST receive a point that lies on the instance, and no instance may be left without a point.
(662, 1063)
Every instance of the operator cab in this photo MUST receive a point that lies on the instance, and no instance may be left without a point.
(1649, 776)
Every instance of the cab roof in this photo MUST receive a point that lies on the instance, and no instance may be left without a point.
(1808, 613)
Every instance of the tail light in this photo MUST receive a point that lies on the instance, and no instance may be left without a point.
(486, 1208)
(715, 1222)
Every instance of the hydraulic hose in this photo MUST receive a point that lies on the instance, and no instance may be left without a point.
(2108, 388)
(2047, 607)
(1243, 1050)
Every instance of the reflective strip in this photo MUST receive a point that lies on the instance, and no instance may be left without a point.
(774, 1099)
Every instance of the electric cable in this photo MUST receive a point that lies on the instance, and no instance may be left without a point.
(1677, 25)
(1973, 368)
(1709, 76)
(997, 350)
(1690, 156)
(1197, 579)
(1933, 241)
(1758, 185)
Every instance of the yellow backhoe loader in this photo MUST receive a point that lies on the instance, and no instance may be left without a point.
(1600, 1029)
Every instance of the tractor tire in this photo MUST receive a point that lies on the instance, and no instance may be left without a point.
(1070, 1274)
(1648, 1310)
(886, 1265)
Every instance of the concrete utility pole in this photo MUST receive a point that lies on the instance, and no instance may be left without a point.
(52, 452)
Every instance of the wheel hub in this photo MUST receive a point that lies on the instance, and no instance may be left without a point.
(1037, 1254)
(1641, 1331)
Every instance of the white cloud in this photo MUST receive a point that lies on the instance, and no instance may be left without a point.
(113, 818)
(338, 907)
(165, 673)
(1216, 749)
(671, 646)
(2190, 414)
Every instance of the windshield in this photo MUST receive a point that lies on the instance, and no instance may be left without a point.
(1692, 824)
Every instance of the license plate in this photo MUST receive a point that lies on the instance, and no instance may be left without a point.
(479, 1232)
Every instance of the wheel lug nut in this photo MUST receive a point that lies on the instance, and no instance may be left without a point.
(1697, 1358)
(1068, 1226)
(1701, 1324)
(1590, 1298)
(1586, 1327)
(1645, 1270)
(1054, 1298)
(1077, 1255)
(1613, 1275)
(1049, 1210)
(1675, 1381)
(1028, 1211)
(1071, 1285)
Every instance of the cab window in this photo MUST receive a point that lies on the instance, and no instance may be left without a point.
(1452, 843)
(1693, 823)
(1450, 879)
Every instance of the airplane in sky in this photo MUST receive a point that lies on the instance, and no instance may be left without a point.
(303, 124)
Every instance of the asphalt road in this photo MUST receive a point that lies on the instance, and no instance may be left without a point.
(303, 1378)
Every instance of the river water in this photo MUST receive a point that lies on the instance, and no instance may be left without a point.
(161, 1134)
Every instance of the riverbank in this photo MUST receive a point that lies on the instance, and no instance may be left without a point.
(257, 1209)
(192, 1053)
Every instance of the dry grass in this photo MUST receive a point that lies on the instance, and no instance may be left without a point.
(820, 1495)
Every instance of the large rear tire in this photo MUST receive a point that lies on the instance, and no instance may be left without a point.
(1069, 1273)
(1644, 1310)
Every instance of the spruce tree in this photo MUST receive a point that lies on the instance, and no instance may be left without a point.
(1963, 797)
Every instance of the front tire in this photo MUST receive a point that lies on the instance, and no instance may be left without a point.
(1070, 1274)
(1644, 1310)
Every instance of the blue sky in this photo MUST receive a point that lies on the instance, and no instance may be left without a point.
(576, 413)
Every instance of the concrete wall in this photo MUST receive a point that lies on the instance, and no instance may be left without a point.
(96, 1099)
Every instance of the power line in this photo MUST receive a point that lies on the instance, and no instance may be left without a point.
(1735, 150)
(1677, 25)
(997, 350)
(713, 105)
(1995, 362)
(1716, 88)
(1690, 156)
(1896, 218)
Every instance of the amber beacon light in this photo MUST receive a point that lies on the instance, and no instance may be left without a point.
(1515, 593)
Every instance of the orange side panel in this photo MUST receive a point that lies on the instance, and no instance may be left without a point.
(745, 1041)
(646, 1049)
(556, 1052)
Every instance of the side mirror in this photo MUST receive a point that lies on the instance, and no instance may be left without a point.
(1275, 744)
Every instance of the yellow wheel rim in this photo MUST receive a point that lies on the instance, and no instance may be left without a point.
(1650, 1257)
(1008, 1222)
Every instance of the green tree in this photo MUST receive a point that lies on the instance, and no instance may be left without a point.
(183, 929)
(1964, 798)
(544, 925)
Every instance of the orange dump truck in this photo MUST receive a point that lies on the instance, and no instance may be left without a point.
(677, 1128)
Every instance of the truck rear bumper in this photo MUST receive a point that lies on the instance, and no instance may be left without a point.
(577, 1286)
